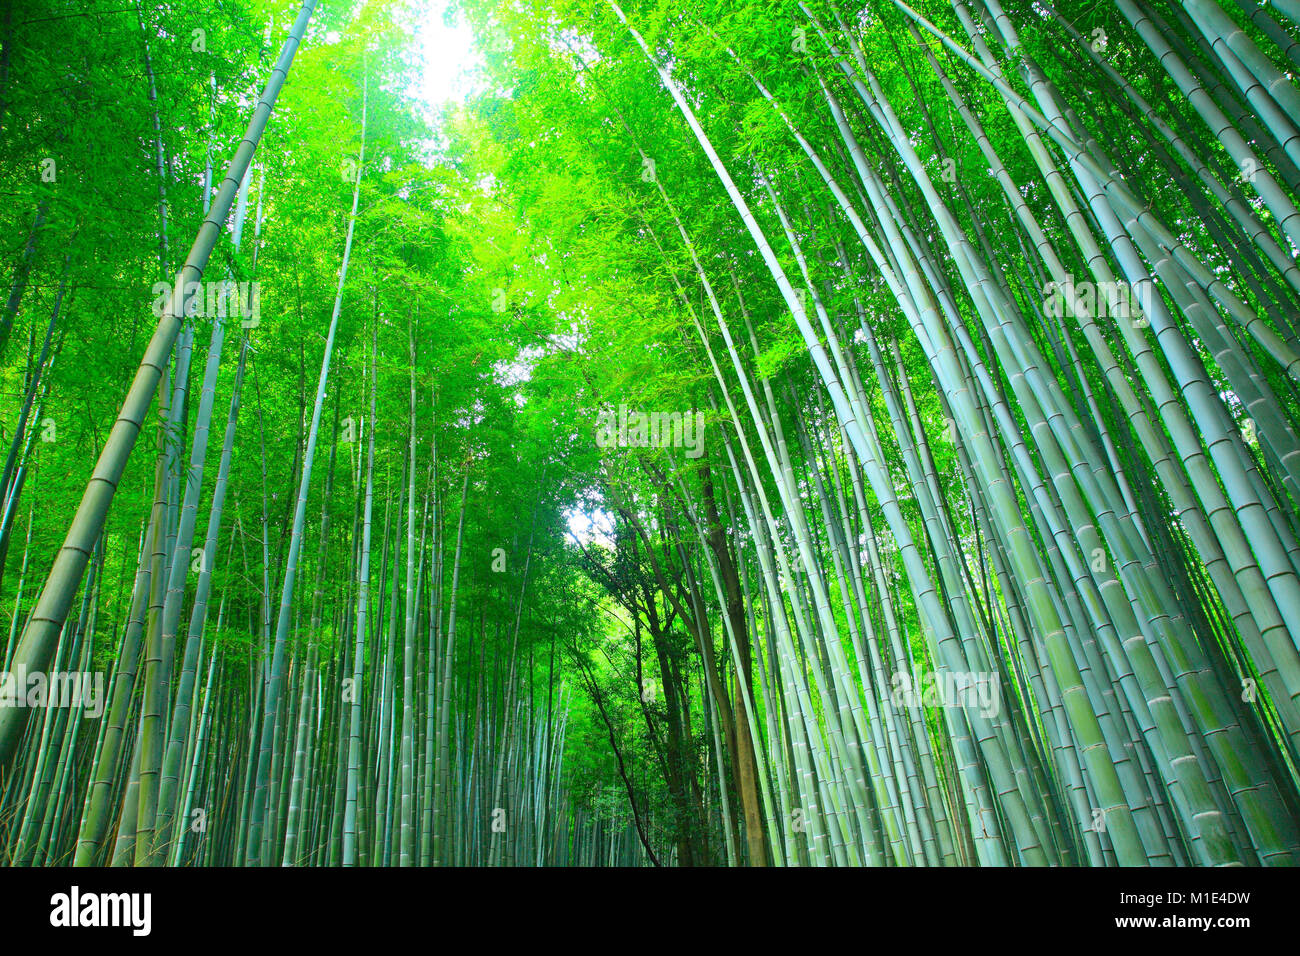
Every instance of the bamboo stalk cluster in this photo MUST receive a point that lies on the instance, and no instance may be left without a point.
(1121, 556)
(989, 554)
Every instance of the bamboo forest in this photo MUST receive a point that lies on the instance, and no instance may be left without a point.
(649, 433)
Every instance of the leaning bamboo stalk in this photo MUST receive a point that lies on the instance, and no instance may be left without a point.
(37, 645)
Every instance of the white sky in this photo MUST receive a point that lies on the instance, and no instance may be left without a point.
(587, 528)
(447, 55)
